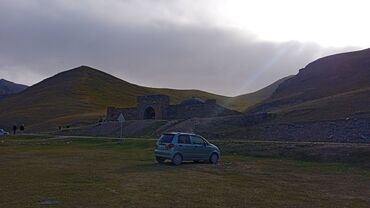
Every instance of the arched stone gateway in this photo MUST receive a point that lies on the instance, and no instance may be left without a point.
(149, 113)
(153, 107)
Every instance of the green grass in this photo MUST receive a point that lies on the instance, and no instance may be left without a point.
(103, 173)
(355, 154)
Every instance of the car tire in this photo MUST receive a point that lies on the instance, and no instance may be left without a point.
(213, 159)
(160, 159)
(177, 159)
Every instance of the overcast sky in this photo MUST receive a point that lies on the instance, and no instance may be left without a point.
(225, 47)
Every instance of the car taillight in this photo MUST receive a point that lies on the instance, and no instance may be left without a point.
(169, 146)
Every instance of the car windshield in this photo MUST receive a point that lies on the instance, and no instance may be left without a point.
(166, 138)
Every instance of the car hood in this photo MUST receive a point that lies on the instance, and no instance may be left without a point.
(215, 147)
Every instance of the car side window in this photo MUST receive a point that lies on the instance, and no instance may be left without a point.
(197, 140)
(183, 139)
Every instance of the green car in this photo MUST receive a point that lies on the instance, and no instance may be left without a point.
(180, 147)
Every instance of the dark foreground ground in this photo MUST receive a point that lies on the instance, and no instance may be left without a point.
(71, 172)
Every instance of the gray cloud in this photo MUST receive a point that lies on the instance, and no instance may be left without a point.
(152, 44)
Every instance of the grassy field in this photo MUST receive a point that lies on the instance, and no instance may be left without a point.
(40, 171)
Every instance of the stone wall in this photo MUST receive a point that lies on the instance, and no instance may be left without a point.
(128, 113)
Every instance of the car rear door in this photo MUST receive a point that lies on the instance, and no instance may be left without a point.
(184, 146)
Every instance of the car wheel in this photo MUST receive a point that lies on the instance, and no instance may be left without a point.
(213, 159)
(160, 159)
(177, 159)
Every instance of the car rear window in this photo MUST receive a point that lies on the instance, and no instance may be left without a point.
(166, 138)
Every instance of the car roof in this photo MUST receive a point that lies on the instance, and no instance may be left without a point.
(181, 133)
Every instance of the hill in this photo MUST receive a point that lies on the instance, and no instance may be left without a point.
(81, 95)
(8, 88)
(256, 97)
(332, 87)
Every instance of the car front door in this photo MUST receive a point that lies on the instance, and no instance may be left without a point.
(199, 148)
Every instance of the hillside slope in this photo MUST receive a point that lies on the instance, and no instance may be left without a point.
(255, 97)
(80, 95)
(332, 87)
(8, 88)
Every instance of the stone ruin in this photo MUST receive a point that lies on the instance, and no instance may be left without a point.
(158, 107)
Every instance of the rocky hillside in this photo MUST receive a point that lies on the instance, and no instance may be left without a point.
(332, 87)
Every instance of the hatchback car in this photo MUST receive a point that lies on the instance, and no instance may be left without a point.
(3, 132)
(180, 147)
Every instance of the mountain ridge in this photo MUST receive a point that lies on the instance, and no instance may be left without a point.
(333, 87)
(7, 88)
(345, 74)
